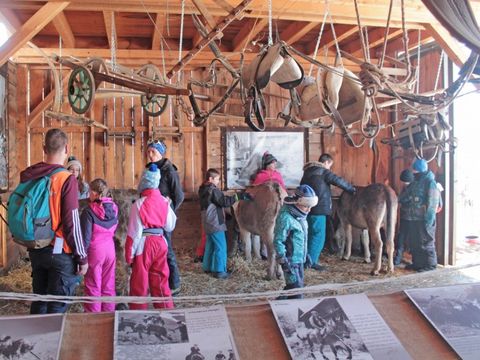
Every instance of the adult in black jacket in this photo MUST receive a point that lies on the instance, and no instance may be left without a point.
(319, 177)
(169, 187)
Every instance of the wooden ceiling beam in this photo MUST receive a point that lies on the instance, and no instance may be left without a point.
(396, 46)
(450, 45)
(372, 14)
(248, 32)
(158, 31)
(62, 25)
(375, 38)
(296, 30)
(31, 27)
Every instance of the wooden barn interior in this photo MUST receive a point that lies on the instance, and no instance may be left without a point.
(110, 138)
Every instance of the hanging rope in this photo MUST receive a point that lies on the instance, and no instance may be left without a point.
(113, 44)
(318, 39)
(439, 70)
(362, 39)
(182, 19)
(418, 60)
(270, 35)
(61, 70)
(385, 36)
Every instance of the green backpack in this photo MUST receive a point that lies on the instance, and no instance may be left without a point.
(29, 217)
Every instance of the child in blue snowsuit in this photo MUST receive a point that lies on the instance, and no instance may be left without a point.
(291, 236)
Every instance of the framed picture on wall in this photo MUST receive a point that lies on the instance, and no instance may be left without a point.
(243, 150)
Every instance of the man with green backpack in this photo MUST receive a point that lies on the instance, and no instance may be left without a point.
(43, 216)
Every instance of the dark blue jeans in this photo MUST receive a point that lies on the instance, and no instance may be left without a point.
(52, 274)
(174, 277)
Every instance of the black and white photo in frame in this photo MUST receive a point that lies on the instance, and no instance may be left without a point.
(243, 151)
(31, 337)
(191, 334)
(454, 311)
(342, 327)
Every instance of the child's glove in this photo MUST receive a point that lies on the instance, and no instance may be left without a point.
(284, 263)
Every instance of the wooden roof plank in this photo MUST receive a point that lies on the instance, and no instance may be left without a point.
(31, 27)
(61, 24)
(107, 18)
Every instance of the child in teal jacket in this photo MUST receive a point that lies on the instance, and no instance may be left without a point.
(291, 235)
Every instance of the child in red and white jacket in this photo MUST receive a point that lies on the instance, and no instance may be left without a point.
(146, 248)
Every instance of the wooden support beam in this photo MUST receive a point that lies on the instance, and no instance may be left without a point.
(10, 20)
(158, 31)
(248, 33)
(107, 19)
(33, 25)
(200, 5)
(224, 5)
(375, 38)
(450, 45)
(44, 104)
(62, 25)
(296, 30)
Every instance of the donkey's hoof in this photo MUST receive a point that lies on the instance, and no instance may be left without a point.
(367, 261)
(345, 258)
(374, 273)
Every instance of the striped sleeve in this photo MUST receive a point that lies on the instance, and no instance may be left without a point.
(70, 220)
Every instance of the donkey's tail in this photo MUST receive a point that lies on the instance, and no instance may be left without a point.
(392, 204)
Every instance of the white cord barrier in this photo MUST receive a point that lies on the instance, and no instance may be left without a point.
(267, 295)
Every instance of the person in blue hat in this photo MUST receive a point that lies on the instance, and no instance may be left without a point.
(291, 235)
(420, 206)
(170, 187)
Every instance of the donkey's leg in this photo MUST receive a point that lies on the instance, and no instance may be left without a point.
(348, 241)
(273, 270)
(378, 246)
(256, 246)
(247, 243)
(366, 246)
(390, 250)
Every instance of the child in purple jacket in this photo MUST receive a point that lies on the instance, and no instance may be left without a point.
(99, 222)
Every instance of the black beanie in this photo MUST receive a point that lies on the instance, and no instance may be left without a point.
(267, 159)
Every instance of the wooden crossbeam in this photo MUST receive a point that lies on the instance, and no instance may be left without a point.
(296, 30)
(62, 25)
(375, 38)
(33, 25)
(248, 33)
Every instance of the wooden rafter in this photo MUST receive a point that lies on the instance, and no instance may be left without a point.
(375, 38)
(62, 25)
(158, 30)
(248, 33)
(448, 43)
(31, 27)
(224, 5)
(297, 30)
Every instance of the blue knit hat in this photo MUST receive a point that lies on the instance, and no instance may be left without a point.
(267, 159)
(420, 165)
(304, 196)
(150, 178)
(158, 145)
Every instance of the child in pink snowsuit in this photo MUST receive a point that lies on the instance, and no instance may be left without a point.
(268, 172)
(99, 222)
(146, 248)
